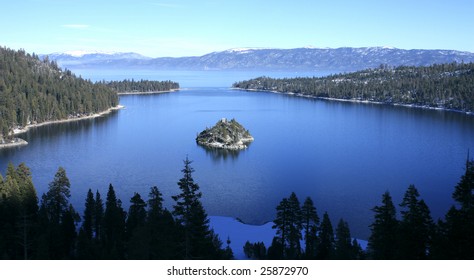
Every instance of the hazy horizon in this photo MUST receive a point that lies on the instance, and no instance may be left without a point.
(160, 28)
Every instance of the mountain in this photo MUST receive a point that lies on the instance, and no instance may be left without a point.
(300, 59)
(79, 58)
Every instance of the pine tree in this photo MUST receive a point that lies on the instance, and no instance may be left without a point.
(163, 232)
(343, 245)
(155, 204)
(85, 246)
(310, 224)
(88, 217)
(57, 219)
(276, 249)
(68, 225)
(416, 227)
(190, 214)
(457, 233)
(282, 224)
(325, 250)
(10, 202)
(138, 235)
(99, 216)
(136, 214)
(56, 200)
(114, 226)
(383, 241)
(294, 234)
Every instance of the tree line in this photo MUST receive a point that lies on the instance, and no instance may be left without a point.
(141, 86)
(301, 234)
(52, 229)
(447, 86)
(34, 91)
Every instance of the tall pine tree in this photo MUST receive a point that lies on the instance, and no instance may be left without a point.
(343, 245)
(325, 249)
(198, 240)
(383, 241)
(310, 224)
(114, 227)
(416, 227)
(57, 219)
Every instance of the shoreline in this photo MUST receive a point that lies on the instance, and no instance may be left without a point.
(16, 142)
(20, 142)
(359, 101)
(146, 92)
(239, 232)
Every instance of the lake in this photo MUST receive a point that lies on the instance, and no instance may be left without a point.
(344, 155)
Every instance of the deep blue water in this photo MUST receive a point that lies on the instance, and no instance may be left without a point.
(344, 155)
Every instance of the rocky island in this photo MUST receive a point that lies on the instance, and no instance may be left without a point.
(229, 135)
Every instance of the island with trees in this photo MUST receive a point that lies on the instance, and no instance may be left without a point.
(229, 135)
(441, 86)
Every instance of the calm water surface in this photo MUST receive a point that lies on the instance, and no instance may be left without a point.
(344, 155)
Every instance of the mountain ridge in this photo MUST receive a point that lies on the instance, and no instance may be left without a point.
(272, 59)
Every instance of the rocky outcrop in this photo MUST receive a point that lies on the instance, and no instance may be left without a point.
(225, 134)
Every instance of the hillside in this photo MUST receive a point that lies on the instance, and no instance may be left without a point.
(35, 91)
(445, 86)
(299, 59)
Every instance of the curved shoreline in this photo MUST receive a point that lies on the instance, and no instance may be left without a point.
(16, 142)
(358, 101)
(20, 142)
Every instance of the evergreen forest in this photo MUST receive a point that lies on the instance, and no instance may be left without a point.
(35, 91)
(410, 234)
(446, 86)
(142, 86)
(50, 227)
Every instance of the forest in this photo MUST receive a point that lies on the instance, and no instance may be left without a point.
(446, 86)
(34, 91)
(127, 86)
(50, 228)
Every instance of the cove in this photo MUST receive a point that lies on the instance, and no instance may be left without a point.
(344, 155)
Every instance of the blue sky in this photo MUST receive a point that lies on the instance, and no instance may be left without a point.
(194, 27)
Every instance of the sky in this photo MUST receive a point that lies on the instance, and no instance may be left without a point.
(160, 28)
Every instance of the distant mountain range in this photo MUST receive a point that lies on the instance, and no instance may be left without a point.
(299, 59)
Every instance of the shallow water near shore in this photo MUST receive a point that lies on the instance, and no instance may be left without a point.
(343, 155)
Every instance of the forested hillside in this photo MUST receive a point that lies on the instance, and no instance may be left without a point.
(142, 86)
(447, 86)
(34, 91)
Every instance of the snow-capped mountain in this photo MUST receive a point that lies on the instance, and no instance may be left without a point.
(79, 58)
(300, 59)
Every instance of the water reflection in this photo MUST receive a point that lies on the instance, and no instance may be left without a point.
(36, 136)
(218, 155)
